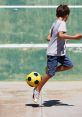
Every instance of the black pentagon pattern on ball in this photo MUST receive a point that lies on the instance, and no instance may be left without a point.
(35, 74)
(36, 82)
(29, 78)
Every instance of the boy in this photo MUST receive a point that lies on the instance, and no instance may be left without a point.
(56, 51)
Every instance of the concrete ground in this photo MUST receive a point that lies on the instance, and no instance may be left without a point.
(57, 99)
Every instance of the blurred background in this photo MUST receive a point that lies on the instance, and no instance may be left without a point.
(31, 26)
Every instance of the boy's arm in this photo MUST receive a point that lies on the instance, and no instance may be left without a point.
(63, 35)
(49, 36)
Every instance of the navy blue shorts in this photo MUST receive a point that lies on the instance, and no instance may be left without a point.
(54, 61)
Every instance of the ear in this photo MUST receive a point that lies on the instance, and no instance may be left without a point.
(65, 17)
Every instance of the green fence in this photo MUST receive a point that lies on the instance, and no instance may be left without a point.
(40, 2)
(32, 26)
(16, 63)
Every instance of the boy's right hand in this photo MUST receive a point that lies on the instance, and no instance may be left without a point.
(78, 36)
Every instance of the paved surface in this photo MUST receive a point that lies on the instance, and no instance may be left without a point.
(58, 99)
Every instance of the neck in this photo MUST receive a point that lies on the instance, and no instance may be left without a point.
(62, 18)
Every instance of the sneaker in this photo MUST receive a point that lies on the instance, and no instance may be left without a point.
(35, 95)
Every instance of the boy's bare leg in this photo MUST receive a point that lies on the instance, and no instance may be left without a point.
(62, 68)
(47, 77)
(37, 90)
(43, 81)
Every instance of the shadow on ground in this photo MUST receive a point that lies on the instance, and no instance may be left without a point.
(49, 103)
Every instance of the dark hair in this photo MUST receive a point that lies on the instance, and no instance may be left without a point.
(62, 10)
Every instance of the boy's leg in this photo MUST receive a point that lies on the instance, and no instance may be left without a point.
(43, 81)
(63, 68)
(37, 90)
(66, 64)
(52, 65)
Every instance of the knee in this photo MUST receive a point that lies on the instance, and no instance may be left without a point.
(49, 75)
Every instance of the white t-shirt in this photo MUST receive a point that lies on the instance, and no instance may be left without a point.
(57, 46)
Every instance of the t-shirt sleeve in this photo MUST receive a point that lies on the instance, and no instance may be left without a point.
(62, 27)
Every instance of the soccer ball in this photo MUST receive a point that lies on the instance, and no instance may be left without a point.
(33, 79)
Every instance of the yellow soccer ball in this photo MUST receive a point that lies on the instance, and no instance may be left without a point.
(33, 79)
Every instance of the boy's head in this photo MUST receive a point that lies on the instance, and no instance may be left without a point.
(62, 11)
